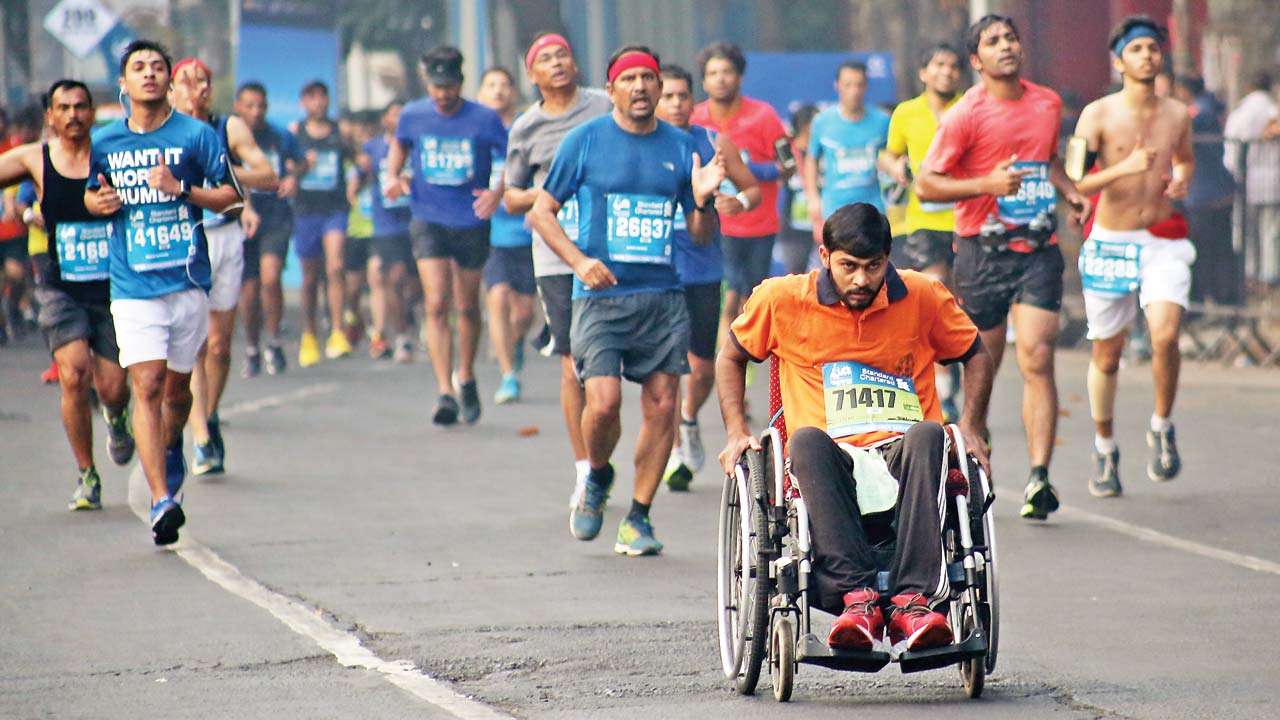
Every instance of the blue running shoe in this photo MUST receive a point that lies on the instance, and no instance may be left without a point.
(88, 494)
(215, 434)
(587, 516)
(166, 518)
(635, 537)
(508, 391)
(206, 460)
(175, 470)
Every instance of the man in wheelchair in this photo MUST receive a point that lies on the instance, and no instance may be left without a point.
(855, 344)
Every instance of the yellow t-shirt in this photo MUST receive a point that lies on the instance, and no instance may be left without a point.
(911, 130)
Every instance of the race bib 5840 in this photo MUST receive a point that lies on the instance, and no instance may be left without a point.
(1035, 196)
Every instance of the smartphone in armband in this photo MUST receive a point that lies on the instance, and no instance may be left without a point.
(787, 159)
(1076, 158)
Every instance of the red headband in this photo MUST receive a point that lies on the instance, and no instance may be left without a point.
(546, 41)
(192, 61)
(632, 59)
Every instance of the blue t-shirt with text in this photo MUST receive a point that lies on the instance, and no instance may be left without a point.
(697, 264)
(629, 189)
(451, 156)
(390, 217)
(847, 151)
(157, 245)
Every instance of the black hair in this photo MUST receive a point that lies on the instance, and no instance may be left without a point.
(314, 86)
(936, 49)
(855, 65)
(138, 46)
(251, 86)
(677, 72)
(29, 117)
(395, 102)
(501, 71)
(802, 117)
(46, 100)
(722, 51)
(630, 48)
(858, 229)
(1193, 83)
(1136, 21)
(973, 36)
(441, 53)
(1262, 81)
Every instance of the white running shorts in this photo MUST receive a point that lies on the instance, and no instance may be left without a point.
(170, 327)
(1164, 275)
(226, 263)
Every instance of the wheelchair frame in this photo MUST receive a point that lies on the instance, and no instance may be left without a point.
(764, 561)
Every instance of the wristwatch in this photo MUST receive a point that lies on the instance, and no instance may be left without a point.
(184, 191)
(741, 197)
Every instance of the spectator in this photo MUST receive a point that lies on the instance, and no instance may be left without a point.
(1217, 273)
(1253, 125)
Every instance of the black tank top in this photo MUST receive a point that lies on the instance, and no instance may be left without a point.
(62, 201)
(322, 190)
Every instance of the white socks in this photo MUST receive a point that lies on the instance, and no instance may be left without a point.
(1104, 446)
(1160, 424)
(582, 467)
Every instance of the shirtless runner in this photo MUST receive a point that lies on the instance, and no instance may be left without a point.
(1138, 245)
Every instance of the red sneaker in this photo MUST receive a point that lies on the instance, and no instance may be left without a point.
(861, 624)
(50, 376)
(913, 626)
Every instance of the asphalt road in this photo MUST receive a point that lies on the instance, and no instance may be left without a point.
(356, 562)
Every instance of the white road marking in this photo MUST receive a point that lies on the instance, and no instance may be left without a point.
(1155, 537)
(306, 621)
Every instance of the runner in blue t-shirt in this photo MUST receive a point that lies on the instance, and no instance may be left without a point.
(630, 174)
(844, 145)
(265, 252)
(148, 174)
(392, 258)
(701, 270)
(449, 143)
(508, 273)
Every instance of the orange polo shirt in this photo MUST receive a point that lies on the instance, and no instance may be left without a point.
(913, 323)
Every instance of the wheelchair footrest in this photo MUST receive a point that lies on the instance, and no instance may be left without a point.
(975, 646)
(812, 651)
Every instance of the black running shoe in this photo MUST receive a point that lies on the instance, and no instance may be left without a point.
(252, 363)
(1106, 474)
(275, 360)
(470, 402)
(446, 412)
(1039, 499)
(1165, 463)
(215, 435)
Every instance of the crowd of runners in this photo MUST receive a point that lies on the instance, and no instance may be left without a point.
(636, 227)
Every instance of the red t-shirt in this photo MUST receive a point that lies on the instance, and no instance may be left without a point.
(14, 229)
(754, 129)
(980, 131)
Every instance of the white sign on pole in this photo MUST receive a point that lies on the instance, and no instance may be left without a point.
(79, 24)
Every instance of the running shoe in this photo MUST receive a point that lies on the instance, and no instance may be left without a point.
(166, 518)
(470, 401)
(1165, 462)
(252, 363)
(308, 351)
(120, 443)
(206, 460)
(446, 412)
(542, 342)
(691, 450)
(404, 350)
(175, 470)
(861, 625)
(88, 494)
(588, 514)
(635, 537)
(378, 348)
(337, 346)
(677, 475)
(508, 391)
(1039, 499)
(913, 626)
(50, 375)
(275, 358)
(1105, 481)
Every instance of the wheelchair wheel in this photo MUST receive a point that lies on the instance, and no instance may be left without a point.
(972, 672)
(743, 588)
(782, 658)
(992, 591)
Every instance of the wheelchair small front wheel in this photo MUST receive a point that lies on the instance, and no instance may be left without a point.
(782, 658)
(973, 672)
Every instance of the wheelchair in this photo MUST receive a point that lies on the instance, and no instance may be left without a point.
(765, 559)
